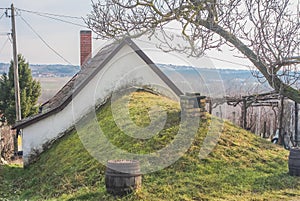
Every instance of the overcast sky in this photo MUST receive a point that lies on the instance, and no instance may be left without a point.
(64, 38)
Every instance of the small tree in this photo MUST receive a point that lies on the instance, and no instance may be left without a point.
(30, 90)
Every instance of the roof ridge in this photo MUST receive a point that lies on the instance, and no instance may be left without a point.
(66, 94)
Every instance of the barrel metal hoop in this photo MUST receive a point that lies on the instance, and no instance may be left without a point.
(122, 175)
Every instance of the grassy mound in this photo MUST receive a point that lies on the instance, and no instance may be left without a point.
(241, 167)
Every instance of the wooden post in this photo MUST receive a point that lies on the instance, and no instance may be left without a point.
(280, 137)
(209, 106)
(244, 114)
(258, 122)
(296, 124)
(271, 130)
(233, 117)
(221, 114)
(255, 121)
(265, 130)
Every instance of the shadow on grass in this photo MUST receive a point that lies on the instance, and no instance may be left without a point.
(276, 182)
(10, 171)
(87, 196)
(8, 177)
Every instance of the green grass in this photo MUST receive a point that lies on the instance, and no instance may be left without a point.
(241, 167)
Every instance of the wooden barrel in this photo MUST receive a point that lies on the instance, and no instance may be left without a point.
(294, 162)
(122, 176)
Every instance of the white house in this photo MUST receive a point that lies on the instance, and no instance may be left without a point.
(115, 66)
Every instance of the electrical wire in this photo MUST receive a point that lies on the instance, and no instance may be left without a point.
(213, 58)
(50, 16)
(4, 34)
(40, 37)
(65, 21)
(231, 62)
(2, 15)
(3, 46)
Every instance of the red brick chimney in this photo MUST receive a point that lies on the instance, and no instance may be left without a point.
(85, 46)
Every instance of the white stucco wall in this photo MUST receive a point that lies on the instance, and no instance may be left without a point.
(126, 67)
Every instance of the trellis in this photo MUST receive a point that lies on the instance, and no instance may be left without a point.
(270, 99)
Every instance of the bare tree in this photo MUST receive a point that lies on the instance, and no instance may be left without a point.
(6, 143)
(265, 32)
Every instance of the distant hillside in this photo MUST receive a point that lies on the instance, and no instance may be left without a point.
(54, 70)
(212, 82)
(4, 68)
(209, 73)
(59, 70)
(241, 167)
(44, 70)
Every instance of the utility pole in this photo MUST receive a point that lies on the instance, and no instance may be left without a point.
(296, 124)
(16, 71)
(16, 77)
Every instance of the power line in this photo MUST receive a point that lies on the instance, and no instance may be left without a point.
(2, 15)
(55, 18)
(65, 21)
(3, 46)
(213, 58)
(51, 14)
(4, 34)
(40, 37)
(231, 62)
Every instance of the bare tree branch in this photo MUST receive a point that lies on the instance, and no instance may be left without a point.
(265, 32)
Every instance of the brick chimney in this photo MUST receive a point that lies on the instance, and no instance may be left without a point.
(85, 46)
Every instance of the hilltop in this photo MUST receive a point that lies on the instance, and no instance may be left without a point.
(241, 167)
